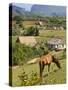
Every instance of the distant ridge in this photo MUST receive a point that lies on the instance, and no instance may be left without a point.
(40, 10)
(49, 10)
(16, 10)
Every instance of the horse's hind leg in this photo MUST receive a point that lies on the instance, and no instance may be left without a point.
(40, 66)
(58, 64)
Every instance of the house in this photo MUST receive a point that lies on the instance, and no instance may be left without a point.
(27, 40)
(56, 44)
(61, 28)
(40, 23)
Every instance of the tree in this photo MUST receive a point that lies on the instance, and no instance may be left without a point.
(31, 31)
(17, 18)
(36, 31)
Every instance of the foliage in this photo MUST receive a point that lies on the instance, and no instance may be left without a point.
(17, 27)
(64, 54)
(31, 31)
(50, 24)
(24, 78)
(17, 18)
(21, 52)
(20, 30)
(31, 80)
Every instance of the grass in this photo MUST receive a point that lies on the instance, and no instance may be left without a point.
(55, 76)
(53, 33)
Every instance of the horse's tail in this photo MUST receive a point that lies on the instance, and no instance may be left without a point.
(33, 61)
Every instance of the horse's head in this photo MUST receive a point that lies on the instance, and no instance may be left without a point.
(56, 61)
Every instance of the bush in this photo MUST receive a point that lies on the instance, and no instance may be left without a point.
(15, 32)
(28, 80)
(17, 18)
(22, 53)
(64, 54)
(17, 54)
(31, 31)
(24, 78)
(42, 48)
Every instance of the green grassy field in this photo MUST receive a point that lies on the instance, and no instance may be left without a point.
(55, 76)
(53, 33)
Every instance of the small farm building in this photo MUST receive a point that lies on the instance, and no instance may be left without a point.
(56, 44)
(27, 40)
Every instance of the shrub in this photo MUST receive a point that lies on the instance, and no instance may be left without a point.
(17, 18)
(31, 31)
(17, 54)
(21, 53)
(24, 78)
(64, 54)
(28, 80)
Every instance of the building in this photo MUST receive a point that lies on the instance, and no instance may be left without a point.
(27, 40)
(56, 44)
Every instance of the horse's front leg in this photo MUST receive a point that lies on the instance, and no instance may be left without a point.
(49, 67)
(41, 65)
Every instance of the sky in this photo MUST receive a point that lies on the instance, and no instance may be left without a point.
(26, 6)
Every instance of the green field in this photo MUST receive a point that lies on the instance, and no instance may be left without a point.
(53, 33)
(55, 76)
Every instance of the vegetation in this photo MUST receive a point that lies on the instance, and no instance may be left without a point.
(28, 80)
(31, 75)
(17, 18)
(31, 31)
(49, 24)
(23, 74)
(20, 53)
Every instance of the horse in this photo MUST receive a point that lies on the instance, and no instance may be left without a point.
(47, 60)
(43, 60)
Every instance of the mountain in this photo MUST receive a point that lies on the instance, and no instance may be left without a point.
(37, 10)
(16, 11)
(48, 10)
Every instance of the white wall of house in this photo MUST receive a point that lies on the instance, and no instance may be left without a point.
(60, 46)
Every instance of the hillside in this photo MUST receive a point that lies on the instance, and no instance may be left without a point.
(38, 10)
(19, 11)
(48, 10)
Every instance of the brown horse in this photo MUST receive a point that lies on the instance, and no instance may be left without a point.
(47, 60)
